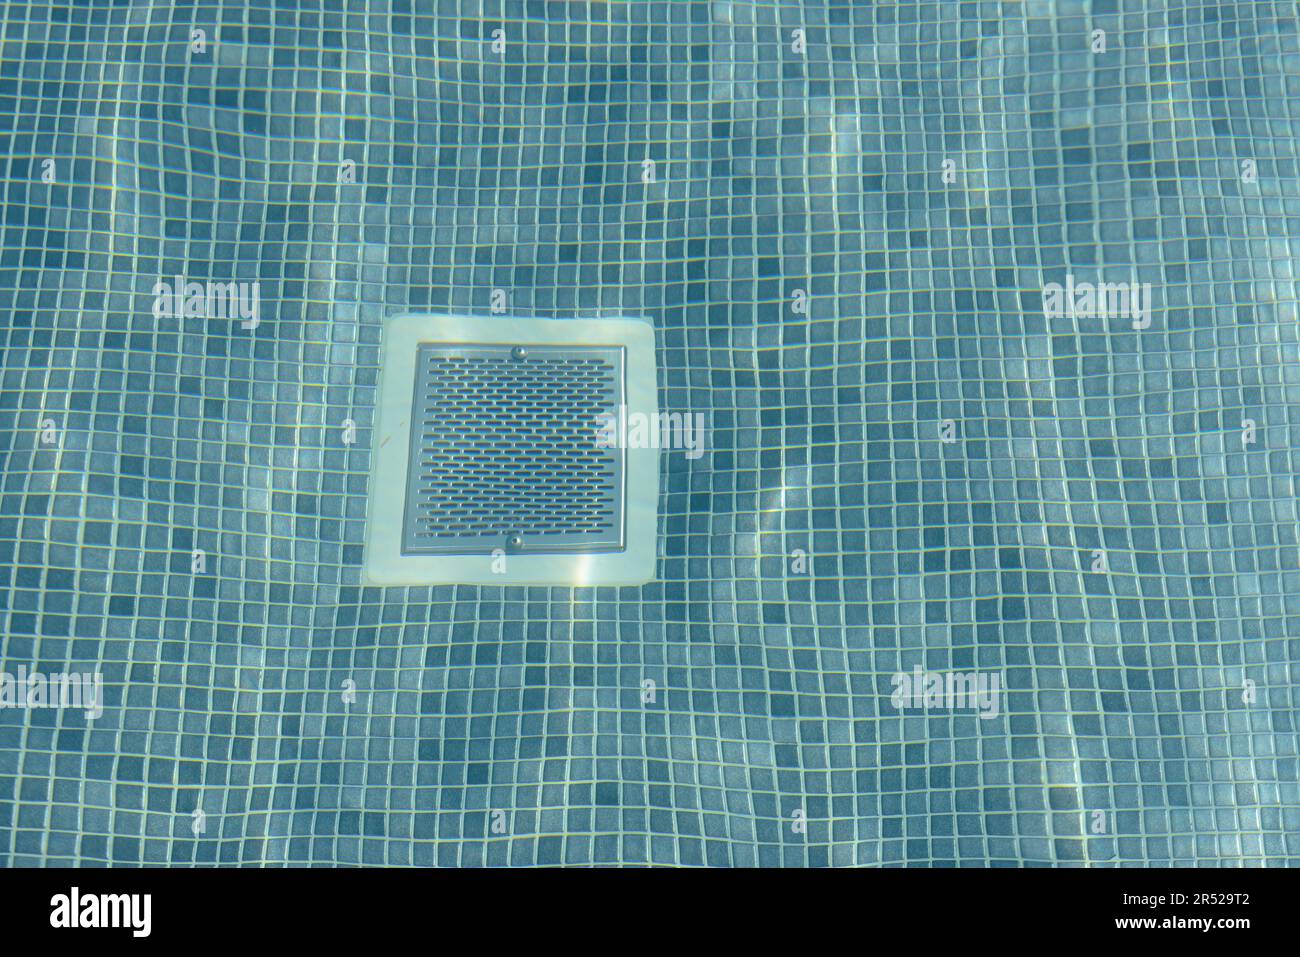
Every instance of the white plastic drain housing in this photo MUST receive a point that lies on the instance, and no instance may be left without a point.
(487, 468)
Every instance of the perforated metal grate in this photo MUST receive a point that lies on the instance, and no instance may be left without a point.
(506, 450)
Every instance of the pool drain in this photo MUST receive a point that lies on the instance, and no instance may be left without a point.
(491, 464)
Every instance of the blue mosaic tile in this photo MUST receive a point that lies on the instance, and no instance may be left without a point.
(842, 220)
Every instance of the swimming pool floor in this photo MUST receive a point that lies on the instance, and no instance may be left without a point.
(841, 219)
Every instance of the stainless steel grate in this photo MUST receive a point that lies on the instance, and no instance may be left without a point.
(506, 451)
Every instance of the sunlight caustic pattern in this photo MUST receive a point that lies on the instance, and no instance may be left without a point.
(841, 219)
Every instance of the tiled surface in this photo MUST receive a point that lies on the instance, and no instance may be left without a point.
(774, 172)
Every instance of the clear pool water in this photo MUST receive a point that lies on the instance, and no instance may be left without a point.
(842, 240)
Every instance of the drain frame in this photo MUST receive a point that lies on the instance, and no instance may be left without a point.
(385, 562)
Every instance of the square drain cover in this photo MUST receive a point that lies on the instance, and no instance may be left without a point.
(491, 464)
(504, 453)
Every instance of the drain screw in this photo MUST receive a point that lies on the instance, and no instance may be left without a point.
(518, 352)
